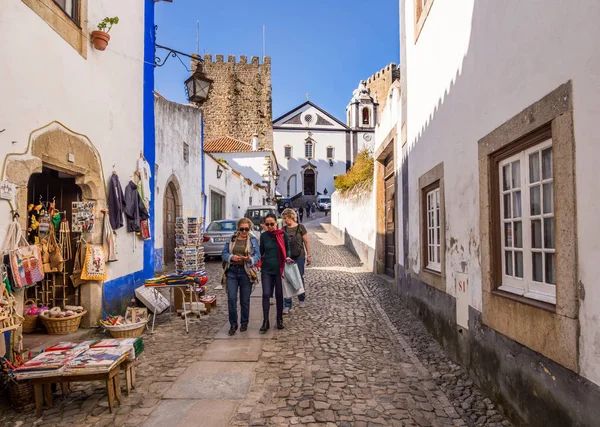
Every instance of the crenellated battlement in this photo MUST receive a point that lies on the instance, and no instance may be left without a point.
(232, 59)
(383, 73)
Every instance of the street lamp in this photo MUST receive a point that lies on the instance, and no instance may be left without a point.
(197, 86)
(219, 172)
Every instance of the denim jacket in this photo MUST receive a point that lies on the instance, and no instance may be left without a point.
(254, 254)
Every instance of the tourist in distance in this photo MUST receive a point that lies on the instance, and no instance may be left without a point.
(313, 210)
(301, 213)
(299, 250)
(275, 250)
(240, 254)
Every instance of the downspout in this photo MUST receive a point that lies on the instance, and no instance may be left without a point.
(203, 171)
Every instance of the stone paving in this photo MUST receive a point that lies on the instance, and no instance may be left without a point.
(353, 356)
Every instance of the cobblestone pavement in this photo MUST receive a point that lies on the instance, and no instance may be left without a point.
(353, 356)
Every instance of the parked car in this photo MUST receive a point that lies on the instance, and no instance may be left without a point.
(283, 204)
(324, 203)
(256, 213)
(217, 233)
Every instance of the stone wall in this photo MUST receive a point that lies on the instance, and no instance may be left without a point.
(353, 220)
(379, 85)
(240, 101)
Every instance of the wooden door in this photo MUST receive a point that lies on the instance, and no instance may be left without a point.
(309, 182)
(390, 214)
(170, 212)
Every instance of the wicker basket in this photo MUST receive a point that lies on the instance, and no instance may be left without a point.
(31, 323)
(21, 394)
(133, 330)
(63, 325)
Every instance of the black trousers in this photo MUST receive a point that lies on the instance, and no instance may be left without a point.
(270, 283)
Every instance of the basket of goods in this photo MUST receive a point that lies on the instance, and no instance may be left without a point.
(60, 322)
(130, 326)
(30, 313)
(20, 393)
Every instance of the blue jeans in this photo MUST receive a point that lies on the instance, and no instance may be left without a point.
(238, 279)
(300, 262)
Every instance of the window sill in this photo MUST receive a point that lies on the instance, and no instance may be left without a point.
(525, 300)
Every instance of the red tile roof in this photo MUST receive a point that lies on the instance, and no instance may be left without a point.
(226, 144)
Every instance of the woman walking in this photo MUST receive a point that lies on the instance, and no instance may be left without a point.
(275, 250)
(313, 210)
(299, 250)
(239, 255)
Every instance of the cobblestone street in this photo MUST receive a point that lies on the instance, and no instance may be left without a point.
(353, 356)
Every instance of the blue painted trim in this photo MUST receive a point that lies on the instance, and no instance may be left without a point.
(118, 292)
(204, 196)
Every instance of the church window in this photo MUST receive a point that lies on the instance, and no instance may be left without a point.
(288, 151)
(329, 153)
(365, 116)
(308, 150)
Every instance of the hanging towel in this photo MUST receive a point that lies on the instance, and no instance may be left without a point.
(145, 174)
(116, 202)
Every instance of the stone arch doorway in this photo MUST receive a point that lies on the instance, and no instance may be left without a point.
(310, 182)
(57, 148)
(172, 209)
(292, 186)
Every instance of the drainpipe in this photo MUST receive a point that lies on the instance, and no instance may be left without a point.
(203, 170)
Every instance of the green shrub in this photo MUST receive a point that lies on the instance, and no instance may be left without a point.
(360, 172)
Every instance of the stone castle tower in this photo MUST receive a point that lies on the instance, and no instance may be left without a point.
(239, 103)
(380, 83)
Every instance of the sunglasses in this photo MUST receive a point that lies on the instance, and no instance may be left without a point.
(270, 224)
(244, 229)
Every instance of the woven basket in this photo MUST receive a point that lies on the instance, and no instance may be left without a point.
(127, 331)
(30, 323)
(64, 325)
(21, 394)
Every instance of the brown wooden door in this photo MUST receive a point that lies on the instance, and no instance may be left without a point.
(390, 214)
(169, 224)
(309, 182)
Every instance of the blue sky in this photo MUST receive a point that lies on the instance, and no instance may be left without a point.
(320, 47)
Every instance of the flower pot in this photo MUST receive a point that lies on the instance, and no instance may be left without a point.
(100, 39)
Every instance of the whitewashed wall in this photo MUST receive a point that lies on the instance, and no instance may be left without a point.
(43, 78)
(176, 124)
(289, 167)
(353, 220)
(233, 186)
(474, 66)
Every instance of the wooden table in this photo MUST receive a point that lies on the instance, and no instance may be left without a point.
(43, 391)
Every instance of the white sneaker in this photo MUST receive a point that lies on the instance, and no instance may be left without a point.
(301, 304)
(271, 301)
(286, 310)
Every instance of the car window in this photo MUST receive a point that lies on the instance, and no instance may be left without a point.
(258, 213)
(325, 200)
(222, 226)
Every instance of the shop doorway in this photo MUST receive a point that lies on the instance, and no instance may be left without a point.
(390, 214)
(309, 182)
(217, 206)
(44, 188)
(170, 213)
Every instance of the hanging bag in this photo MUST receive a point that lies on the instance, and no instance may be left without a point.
(25, 259)
(109, 241)
(52, 257)
(292, 282)
(94, 267)
(78, 262)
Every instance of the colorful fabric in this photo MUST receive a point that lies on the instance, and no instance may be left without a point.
(94, 267)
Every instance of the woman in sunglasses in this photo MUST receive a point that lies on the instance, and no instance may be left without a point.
(275, 252)
(240, 255)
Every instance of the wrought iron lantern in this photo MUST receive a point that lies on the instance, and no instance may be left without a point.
(219, 172)
(197, 86)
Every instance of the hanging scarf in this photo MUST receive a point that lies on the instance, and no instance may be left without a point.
(278, 234)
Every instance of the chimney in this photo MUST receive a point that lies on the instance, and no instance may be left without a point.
(254, 141)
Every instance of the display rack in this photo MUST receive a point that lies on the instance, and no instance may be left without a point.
(189, 253)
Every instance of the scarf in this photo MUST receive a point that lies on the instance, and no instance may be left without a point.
(250, 271)
(278, 234)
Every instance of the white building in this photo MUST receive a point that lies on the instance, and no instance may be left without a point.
(72, 115)
(178, 172)
(497, 184)
(313, 147)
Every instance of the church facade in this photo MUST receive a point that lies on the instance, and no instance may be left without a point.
(313, 147)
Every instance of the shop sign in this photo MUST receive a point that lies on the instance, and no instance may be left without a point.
(8, 190)
(462, 299)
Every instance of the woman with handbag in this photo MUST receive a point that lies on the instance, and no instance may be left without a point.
(299, 250)
(240, 256)
(275, 250)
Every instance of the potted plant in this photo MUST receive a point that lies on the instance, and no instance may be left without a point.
(100, 36)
